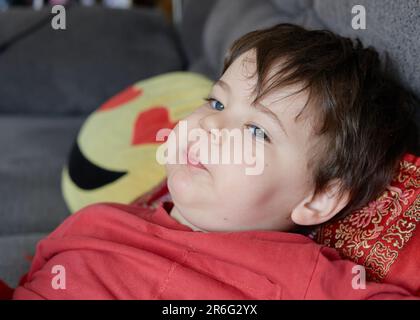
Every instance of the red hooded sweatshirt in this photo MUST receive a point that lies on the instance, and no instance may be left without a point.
(113, 251)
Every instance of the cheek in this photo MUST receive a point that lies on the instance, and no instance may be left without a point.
(195, 116)
(234, 187)
(295, 176)
(246, 201)
(287, 182)
(274, 184)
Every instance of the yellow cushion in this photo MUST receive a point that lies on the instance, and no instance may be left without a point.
(114, 157)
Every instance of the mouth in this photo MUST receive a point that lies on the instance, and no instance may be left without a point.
(193, 161)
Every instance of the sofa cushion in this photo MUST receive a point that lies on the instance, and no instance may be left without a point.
(190, 30)
(72, 71)
(16, 253)
(392, 27)
(33, 151)
(229, 20)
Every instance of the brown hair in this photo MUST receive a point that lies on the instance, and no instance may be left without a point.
(364, 116)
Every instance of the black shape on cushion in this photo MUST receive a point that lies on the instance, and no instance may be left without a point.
(87, 175)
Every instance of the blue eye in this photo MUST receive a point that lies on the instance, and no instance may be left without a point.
(215, 104)
(258, 132)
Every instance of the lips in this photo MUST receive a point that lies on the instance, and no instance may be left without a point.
(193, 160)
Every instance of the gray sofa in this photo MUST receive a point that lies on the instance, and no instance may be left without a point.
(51, 80)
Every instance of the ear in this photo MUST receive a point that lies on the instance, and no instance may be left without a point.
(317, 209)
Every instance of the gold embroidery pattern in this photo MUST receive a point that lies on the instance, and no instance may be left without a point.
(374, 235)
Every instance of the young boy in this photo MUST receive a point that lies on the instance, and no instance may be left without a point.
(332, 127)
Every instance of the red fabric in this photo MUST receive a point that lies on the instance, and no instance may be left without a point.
(155, 196)
(406, 269)
(6, 292)
(113, 251)
(384, 236)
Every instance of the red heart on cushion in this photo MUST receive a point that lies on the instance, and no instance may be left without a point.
(121, 99)
(148, 123)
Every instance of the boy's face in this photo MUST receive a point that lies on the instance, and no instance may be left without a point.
(222, 197)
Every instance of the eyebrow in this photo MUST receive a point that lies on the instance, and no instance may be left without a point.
(259, 106)
(272, 116)
(223, 85)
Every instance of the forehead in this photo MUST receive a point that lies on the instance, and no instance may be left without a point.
(241, 76)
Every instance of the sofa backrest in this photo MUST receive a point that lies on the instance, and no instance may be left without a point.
(393, 27)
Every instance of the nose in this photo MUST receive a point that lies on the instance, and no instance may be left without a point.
(213, 124)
